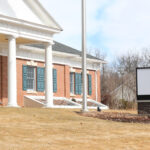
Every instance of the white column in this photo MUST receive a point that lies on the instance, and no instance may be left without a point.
(48, 76)
(12, 82)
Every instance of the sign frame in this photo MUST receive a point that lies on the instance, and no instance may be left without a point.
(141, 98)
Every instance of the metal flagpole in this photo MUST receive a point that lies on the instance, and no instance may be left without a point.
(84, 71)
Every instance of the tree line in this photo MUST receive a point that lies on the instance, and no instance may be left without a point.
(118, 79)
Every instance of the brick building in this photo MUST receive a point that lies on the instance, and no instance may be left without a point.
(66, 73)
(32, 64)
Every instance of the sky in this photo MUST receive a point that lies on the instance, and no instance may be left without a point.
(115, 27)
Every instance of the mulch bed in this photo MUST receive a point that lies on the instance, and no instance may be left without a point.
(120, 117)
(60, 102)
(57, 102)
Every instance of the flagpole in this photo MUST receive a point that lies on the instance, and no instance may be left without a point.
(84, 70)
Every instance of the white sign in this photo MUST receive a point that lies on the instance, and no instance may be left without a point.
(143, 81)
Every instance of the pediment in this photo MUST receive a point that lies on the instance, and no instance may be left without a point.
(28, 10)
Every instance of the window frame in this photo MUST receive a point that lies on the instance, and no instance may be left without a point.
(88, 91)
(34, 79)
(55, 82)
(72, 83)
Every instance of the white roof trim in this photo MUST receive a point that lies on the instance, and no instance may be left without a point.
(27, 23)
(40, 50)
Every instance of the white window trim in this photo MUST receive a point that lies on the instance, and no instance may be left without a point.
(31, 92)
(73, 94)
(72, 70)
(34, 88)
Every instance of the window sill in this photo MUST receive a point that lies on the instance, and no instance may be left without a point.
(72, 95)
(87, 95)
(31, 92)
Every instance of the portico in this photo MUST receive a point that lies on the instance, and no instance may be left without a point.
(12, 77)
(15, 32)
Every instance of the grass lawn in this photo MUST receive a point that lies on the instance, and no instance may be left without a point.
(63, 129)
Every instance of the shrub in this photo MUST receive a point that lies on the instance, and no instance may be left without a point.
(74, 100)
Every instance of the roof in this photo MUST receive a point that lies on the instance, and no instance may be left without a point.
(59, 47)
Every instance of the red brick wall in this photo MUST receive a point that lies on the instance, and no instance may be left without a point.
(60, 80)
(67, 81)
(93, 95)
(63, 81)
(4, 83)
(98, 86)
(20, 92)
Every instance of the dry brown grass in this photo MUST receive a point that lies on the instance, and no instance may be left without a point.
(59, 129)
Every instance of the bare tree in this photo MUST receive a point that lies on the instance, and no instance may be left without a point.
(125, 66)
(121, 73)
(98, 53)
(128, 63)
(145, 56)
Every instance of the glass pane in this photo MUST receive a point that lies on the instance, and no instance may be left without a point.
(72, 83)
(30, 78)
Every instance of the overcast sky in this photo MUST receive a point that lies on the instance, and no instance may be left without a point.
(113, 26)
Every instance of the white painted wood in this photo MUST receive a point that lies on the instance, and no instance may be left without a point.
(12, 82)
(24, 21)
(72, 70)
(25, 30)
(27, 10)
(21, 11)
(43, 15)
(39, 55)
(76, 105)
(48, 76)
(84, 69)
